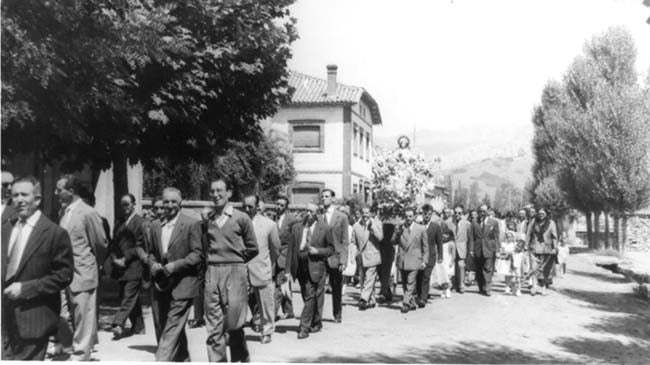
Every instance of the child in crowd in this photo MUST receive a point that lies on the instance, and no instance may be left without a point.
(509, 262)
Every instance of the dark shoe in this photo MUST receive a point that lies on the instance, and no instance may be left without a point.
(266, 339)
(488, 294)
(290, 316)
(461, 291)
(257, 328)
(303, 334)
(405, 308)
(421, 304)
(138, 331)
(316, 328)
(413, 307)
(362, 305)
(371, 305)
(118, 332)
(338, 319)
(196, 323)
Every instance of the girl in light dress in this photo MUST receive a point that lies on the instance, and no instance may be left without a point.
(562, 257)
(509, 263)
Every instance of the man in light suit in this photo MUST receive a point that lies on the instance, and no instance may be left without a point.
(310, 246)
(336, 262)
(84, 225)
(282, 276)
(412, 255)
(483, 247)
(464, 239)
(127, 253)
(367, 234)
(8, 211)
(260, 269)
(36, 265)
(173, 261)
(434, 244)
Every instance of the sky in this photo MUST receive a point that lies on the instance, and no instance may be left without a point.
(461, 65)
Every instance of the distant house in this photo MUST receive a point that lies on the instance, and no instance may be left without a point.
(330, 127)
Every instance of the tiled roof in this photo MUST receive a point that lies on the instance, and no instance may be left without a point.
(312, 90)
(309, 90)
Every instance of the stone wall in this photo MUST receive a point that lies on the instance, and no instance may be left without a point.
(638, 233)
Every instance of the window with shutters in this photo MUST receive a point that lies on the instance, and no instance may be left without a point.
(307, 135)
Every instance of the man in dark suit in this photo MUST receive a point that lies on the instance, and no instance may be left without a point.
(282, 277)
(484, 246)
(311, 243)
(434, 243)
(127, 252)
(36, 265)
(336, 262)
(173, 261)
(8, 211)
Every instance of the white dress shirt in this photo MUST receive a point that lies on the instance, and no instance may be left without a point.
(166, 233)
(328, 214)
(303, 243)
(281, 219)
(27, 228)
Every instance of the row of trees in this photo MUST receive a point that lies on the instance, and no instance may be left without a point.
(507, 198)
(592, 137)
(97, 82)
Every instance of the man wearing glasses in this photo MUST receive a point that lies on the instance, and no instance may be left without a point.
(8, 211)
(463, 240)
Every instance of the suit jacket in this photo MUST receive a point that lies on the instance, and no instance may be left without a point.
(368, 242)
(184, 250)
(9, 213)
(45, 269)
(413, 248)
(321, 239)
(127, 238)
(464, 237)
(434, 241)
(260, 268)
(88, 243)
(339, 224)
(485, 240)
(285, 238)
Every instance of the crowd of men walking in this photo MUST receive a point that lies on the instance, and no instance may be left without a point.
(227, 263)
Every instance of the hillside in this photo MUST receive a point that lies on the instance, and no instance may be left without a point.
(490, 173)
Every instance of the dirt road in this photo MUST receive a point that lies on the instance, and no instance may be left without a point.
(590, 317)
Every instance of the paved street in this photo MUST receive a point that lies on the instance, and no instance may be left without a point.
(592, 316)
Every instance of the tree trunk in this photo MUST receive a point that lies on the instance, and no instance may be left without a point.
(590, 235)
(597, 244)
(608, 244)
(624, 240)
(120, 179)
(617, 227)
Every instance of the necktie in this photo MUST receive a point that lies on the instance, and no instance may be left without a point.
(66, 218)
(14, 260)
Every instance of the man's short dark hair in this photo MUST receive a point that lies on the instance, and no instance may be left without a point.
(460, 206)
(225, 180)
(131, 197)
(283, 197)
(257, 198)
(427, 208)
(73, 183)
(330, 190)
(157, 199)
(32, 180)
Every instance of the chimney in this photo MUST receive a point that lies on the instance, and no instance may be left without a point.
(331, 80)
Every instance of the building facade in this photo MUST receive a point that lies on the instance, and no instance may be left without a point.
(330, 128)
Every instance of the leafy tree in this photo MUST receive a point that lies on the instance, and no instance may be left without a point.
(461, 195)
(99, 81)
(486, 200)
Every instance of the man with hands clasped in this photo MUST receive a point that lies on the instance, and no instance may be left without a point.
(412, 255)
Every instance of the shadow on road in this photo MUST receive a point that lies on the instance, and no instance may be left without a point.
(598, 276)
(610, 351)
(464, 352)
(148, 348)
